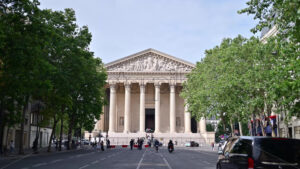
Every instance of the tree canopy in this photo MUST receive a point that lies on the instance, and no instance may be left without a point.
(45, 56)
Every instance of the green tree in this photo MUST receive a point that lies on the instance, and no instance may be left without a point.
(284, 14)
(25, 69)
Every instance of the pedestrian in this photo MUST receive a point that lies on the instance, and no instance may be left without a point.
(259, 130)
(156, 145)
(107, 143)
(140, 144)
(11, 146)
(213, 146)
(98, 146)
(102, 145)
(131, 144)
(56, 145)
(268, 129)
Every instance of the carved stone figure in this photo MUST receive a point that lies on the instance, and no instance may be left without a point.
(150, 63)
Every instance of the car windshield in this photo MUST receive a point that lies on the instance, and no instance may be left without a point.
(278, 150)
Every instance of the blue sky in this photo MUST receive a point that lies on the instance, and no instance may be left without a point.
(182, 28)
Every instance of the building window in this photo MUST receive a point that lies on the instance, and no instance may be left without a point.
(178, 122)
(121, 121)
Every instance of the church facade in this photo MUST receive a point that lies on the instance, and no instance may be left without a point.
(143, 93)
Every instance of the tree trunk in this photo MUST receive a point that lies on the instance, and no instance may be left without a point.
(232, 128)
(223, 122)
(6, 141)
(241, 129)
(71, 123)
(80, 135)
(2, 126)
(52, 133)
(25, 107)
(254, 125)
(61, 132)
(261, 123)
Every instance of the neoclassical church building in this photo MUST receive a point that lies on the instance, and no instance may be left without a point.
(143, 93)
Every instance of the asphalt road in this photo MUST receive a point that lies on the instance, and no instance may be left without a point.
(120, 158)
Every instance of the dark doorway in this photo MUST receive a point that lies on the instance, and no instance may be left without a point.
(194, 125)
(290, 132)
(150, 119)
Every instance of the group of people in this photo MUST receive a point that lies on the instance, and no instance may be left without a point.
(140, 143)
(100, 145)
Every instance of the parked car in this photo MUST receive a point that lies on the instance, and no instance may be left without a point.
(191, 144)
(260, 152)
(85, 142)
(222, 144)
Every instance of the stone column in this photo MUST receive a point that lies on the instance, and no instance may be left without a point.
(127, 109)
(142, 108)
(202, 125)
(157, 107)
(172, 109)
(112, 108)
(187, 120)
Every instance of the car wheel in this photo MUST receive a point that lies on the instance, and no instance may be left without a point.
(218, 166)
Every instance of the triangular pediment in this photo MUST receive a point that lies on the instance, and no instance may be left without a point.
(149, 60)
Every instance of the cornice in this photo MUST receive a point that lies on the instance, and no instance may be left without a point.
(150, 50)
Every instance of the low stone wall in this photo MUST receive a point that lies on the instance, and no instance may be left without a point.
(179, 138)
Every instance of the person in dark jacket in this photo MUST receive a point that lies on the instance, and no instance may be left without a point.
(102, 145)
(107, 143)
(170, 145)
(131, 144)
(156, 145)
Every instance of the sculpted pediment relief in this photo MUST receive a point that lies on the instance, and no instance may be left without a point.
(150, 63)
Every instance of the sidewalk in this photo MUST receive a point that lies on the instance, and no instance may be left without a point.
(29, 152)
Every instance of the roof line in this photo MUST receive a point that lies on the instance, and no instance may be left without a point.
(145, 51)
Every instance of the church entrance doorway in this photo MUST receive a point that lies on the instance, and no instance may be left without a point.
(194, 123)
(150, 119)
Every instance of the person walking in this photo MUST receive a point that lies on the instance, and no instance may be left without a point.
(268, 129)
(156, 145)
(107, 143)
(102, 145)
(213, 146)
(131, 144)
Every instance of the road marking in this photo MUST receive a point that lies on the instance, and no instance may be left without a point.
(139, 165)
(167, 163)
(15, 161)
(94, 162)
(103, 158)
(206, 162)
(84, 166)
(55, 161)
(39, 164)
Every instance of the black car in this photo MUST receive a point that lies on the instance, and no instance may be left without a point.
(194, 144)
(247, 152)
